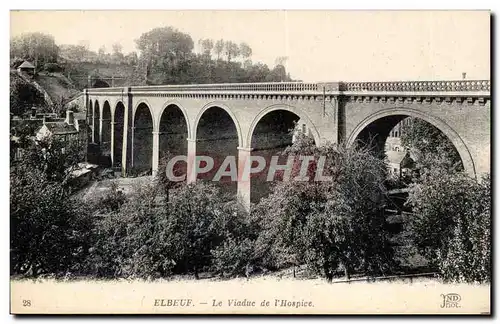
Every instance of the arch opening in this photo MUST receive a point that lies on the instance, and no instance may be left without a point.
(173, 135)
(271, 135)
(383, 136)
(143, 140)
(118, 134)
(106, 129)
(90, 119)
(96, 123)
(217, 137)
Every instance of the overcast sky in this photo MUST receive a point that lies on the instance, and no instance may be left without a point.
(320, 45)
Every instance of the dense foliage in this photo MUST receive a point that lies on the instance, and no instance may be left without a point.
(148, 237)
(430, 146)
(24, 96)
(49, 229)
(452, 224)
(38, 48)
(329, 225)
(166, 228)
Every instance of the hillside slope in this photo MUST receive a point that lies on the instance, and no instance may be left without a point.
(57, 86)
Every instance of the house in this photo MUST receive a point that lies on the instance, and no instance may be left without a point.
(66, 129)
(399, 163)
(26, 68)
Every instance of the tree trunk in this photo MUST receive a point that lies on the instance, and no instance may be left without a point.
(346, 272)
(328, 272)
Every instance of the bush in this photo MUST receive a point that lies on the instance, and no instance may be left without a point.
(452, 223)
(52, 67)
(148, 237)
(331, 224)
(49, 231)
(231, 257)
(23, 96)
(15, 62)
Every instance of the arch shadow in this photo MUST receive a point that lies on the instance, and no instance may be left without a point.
(228, 111)
(297, 111)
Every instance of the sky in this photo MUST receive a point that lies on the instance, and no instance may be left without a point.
(321, 45)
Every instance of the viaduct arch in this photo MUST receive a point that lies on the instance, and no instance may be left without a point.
(400, 113)
(142, 118)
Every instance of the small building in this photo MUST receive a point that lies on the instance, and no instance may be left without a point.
(399, 163)
(26, 68)
(67, 129)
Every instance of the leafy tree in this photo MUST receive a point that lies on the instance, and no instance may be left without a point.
(165, 44)
(451, 223)
(257, 72)
(49, 230)
(131, 58)
(219, 48)
(117, 55)
(206, 46)
(23, 96)
(52, 67)
(327, 224)
(76, 53)
(55, 157)
(245, 50)
(149, 237)
(164, 183)
(231, 50)
(37, 47)
(278, 74)
(101, 53)
(196, 211)
(280, 60)
(430, 145)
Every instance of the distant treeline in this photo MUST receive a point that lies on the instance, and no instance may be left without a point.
(164, 56)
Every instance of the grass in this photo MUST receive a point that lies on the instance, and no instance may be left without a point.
(57, 86)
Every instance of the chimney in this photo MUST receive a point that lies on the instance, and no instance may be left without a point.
(70, 120)
(464, 75)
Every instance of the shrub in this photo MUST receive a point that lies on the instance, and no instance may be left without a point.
(150, 237)
(231, 257)
(329, 224)
(451, 225)
(52, 67)
(15, 62)
(49, 231)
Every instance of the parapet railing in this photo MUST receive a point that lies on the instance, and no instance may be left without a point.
(408, 86)
(264, 86)
(399, 86)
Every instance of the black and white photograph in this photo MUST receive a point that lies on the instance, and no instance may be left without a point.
(250, 162)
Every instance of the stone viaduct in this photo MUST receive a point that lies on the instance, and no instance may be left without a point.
(136, 124)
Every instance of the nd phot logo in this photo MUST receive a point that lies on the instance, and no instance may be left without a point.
(450, 300)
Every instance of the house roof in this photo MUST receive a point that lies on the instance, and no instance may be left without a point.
(61, 128)
(396, 156)
(27, 65)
